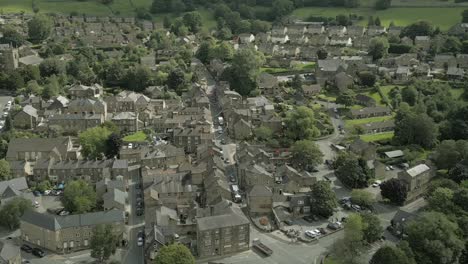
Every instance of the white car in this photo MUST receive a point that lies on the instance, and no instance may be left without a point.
(140, 242)
(47, 192)
(311, 233)
(36, 204)
(5, 114)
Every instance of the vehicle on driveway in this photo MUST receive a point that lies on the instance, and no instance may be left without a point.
(38, 252)
(26, 248)
(334, 226)
(308, 218)
(288, 222)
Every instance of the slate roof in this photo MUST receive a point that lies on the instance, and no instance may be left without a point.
(418, 169)
(8, 251)
(37, 145)
(30, 110)
(222, 221)
(55, 223)
(18, 184)
(260, 191)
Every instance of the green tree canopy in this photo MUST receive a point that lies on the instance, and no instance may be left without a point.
(39, 28)
(434, 239)
(390, 255)
(5, 173)
(372, 230)
(12, 211)
(300, 124)
(281, 8)
(420, 28)
(103, 243)
(394, 190)
(378, 47)
(174, 254)
(11, 36)
(193, 21)
(79, 197)
(263, 133)
(306, 154)
(93, 142)
(449, 152)
(346, 98)
(352, 171)
(362, 198)
(323, 198)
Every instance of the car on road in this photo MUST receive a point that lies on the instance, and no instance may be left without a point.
(140, 241)
(232, 178)
(64, 213)
(38, 252)
(26, 248)
(312, 233)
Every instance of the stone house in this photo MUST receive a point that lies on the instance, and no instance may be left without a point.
(355, 31)
(378, 127)
(311, 89)
(246, 38)
(315, 29)
(394, 30)
(223, 234)
(268, 84)
(370, 112)
(254, 174)
(241, 129)
(87, 106)
(444, 61)
(422, 42)
(84, 91)
(375, 31)
(127, 101)
(32, 149)
(189, 138)
(114, 199)
(75, 122)
(127, 122)
(460, 29)
(402, 74)
(299, 204)
(260, 200)
(27, 118)
(327, 69)
(64, 234)
(336, 30)
(363, 149)
(9, 57)
(170, 190)
(416, 180)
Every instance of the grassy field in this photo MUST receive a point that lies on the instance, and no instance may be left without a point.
(444, 17)
(377, 137)
(139, 136)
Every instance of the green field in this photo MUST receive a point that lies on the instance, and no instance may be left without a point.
(139, 136)
(377, 137)
(444, 17)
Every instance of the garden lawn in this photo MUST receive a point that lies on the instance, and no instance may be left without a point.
(352, 122)
(139, 136)
(274, 70)
(377, 137)
(443, 17)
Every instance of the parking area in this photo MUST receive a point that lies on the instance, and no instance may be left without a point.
(5, 107)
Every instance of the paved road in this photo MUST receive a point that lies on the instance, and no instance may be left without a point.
(135, 253)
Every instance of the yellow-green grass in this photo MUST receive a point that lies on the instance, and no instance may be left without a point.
(443, 17)
(330, 260)
(139, 136)
(353, 122)
(376, 96)
(274, 70)
(456, 93)
(377, 137)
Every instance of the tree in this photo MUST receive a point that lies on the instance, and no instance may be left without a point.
(434, 239)
(51, 66)
(377, 21)
(281, 8)
(138, 78)
(176, 81)
(244, 70)
(346, 98)
(107, 2)
(348, 249)
(352, 171)
(441, 200)
(306, 154)
(390, 255)
(113, 144)
(465, 16)
(362, 198)
(452, 44)
(420, 28)
(103, 242)
(43, 185)
(204, 52)
(39, 28)
(93, 142)
(394, 190)
(174, 254)
(193, 21)
(367, 78)
(12, 211)
(372, 230)
(351, 3)
(409, 95)
(224, 51)
(5, 173)
(258, 26)
(79, 197)
(415, 127)
(323, 198)
(449, 152)
(383, 4)
(459, 173)
(378, 47)
(300, 124)
(52, 87)
(11, 36)
(263, 133)
(322, 54)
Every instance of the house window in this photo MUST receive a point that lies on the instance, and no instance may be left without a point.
(86, 242)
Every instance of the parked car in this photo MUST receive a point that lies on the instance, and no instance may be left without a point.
(36, 204)
(376, 183)
(233, 179)
(26, 248)
(323, 231)
(308, 218)
(38, 252)
(334, 226)
(288, 222)
(64, 213)
(47, 192)
(37, 193)
(356, 207)
(311, 234)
